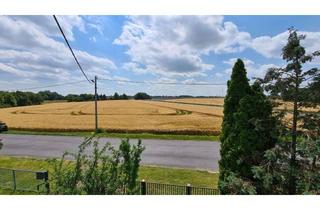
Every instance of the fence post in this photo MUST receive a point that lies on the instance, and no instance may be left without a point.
(143, 187)
(46, 179)
(14, 180)
(188, 189)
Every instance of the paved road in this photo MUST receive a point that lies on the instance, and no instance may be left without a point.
(202, 155)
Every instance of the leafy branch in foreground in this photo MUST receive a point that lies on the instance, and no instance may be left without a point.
(98, 171)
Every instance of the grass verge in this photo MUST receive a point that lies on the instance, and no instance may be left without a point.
(148, 173)
(120, 135)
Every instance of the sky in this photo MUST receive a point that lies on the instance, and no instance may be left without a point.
(151, 49)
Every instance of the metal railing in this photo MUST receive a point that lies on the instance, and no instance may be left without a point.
(24, 180)
(150, 188)
(38, 181)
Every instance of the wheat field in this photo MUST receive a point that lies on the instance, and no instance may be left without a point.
(180, 116)
(117, 116)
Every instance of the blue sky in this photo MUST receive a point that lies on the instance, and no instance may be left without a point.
(183, 49)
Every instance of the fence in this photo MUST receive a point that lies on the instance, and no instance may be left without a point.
(38, 181)
(149, 188)
(24, 180)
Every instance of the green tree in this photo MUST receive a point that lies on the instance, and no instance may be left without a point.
(238, 87)
(249, 129)
(297, 86)
(255, 131)
(124, 97)
(9, 100)
(141, 96)
(116, 96)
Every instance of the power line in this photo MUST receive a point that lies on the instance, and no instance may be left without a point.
(53, 85)
(65, 38)
(164, 83)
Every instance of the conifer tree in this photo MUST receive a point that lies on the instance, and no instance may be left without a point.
(299, 86)
(238, 87)
(248, 130)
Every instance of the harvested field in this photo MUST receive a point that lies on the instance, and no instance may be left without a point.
(116, 116)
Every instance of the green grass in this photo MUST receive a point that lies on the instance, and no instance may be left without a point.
(148, 173)
(120, 135)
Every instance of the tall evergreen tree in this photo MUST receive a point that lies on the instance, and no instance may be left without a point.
(254, 132)
(238, 87)
(297, 86)
(248, 131)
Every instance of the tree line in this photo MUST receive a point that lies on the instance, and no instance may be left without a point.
(19, 98)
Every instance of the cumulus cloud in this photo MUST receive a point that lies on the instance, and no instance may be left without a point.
(253, 70)
(28, 49)
(271, 46)
(174, 44)
(47, 24)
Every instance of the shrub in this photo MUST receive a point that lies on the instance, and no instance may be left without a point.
(104, 171)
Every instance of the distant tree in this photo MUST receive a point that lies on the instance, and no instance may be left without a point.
(102, 97)
(141, 96)
(50, 96)
(9, 100)
(22, 98)
(124, 97)
(116, 96)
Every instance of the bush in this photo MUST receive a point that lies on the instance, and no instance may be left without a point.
(104, 171)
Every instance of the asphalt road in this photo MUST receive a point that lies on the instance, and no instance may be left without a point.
(202, 155)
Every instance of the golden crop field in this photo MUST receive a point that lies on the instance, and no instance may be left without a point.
(184, 116)
(120, 115)
(207, 101)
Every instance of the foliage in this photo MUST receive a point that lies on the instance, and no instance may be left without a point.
(238, 87)
(50, 96)
(276, 171)
(18, 98)
(235, 185)
(81, 97)
(248, 130)
(104, 171)
(141, 96)
(298, 86)
(116, 96)
(165, 175)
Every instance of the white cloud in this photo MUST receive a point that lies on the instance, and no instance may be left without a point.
(253, 70)
(47, 24)
(17, 72)
(134, 67)
(27, 47)
(174, 44)
(232, 61)
(271, 47)
(93, 39)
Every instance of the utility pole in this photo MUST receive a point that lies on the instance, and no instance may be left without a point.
(96, 102)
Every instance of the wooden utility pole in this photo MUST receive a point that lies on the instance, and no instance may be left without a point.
(96, 102)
